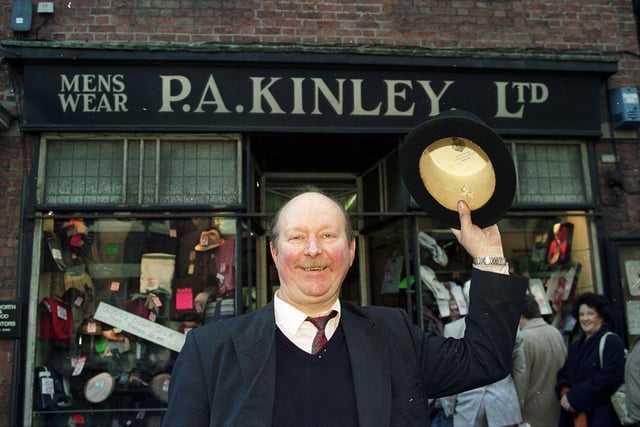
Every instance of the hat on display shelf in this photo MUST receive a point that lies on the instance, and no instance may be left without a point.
(99, 387)
(209, 239)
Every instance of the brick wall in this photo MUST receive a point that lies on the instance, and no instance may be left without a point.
(7, 350)
(13, 164)
(541, 26)
(587, 27)
(537, 24)
(620, 186)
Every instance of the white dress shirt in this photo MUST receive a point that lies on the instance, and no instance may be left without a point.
(293, 324)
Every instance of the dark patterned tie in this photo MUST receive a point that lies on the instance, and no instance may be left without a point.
(320, 322)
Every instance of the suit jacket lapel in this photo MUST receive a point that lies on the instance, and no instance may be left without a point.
(370, 366)
(255, 349)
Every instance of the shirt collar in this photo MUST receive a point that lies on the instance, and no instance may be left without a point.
(289, 319)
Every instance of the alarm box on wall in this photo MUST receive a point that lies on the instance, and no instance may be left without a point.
(625, 108)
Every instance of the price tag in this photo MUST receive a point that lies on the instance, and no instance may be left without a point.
(61, 312)
(46, 385)
(184, 299)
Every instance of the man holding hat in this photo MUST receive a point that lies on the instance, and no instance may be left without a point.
(375, 369)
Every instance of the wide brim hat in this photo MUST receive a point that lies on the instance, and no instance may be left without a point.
(209, 239)
(456, 156)
(99, 387)
(160, 387)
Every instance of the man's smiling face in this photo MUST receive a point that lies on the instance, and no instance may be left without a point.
(313, 252)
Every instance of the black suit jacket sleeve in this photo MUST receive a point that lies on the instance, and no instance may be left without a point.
(484, 354)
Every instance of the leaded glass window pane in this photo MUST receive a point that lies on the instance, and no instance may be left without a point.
(141, 170)
(551, 173)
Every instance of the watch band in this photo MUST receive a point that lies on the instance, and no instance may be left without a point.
(489, 260)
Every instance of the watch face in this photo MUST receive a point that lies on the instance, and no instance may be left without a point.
(456, 156)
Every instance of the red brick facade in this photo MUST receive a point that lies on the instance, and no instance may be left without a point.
(590, 28)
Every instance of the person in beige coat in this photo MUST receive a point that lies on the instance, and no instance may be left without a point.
(632, 382)
(544, 354)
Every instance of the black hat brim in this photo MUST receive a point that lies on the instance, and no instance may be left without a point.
(460, 126)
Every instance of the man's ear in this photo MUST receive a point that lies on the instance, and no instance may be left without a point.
(352, 250)
(274, 251)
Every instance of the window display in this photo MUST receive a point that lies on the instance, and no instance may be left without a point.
(554, 252)
(116, 298)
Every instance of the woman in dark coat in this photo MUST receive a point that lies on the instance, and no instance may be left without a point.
(583, 386)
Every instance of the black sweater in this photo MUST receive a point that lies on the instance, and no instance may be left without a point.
(303, 378)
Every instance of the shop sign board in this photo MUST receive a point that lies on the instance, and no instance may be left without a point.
(10, 318)
(243, 98)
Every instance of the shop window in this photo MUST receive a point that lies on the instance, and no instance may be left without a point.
(141, 170)
(427, 276)
(553, 174)
(629, 263)
(115, 300)
(116, 291)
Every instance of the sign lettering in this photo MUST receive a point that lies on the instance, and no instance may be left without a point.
(227, 98)
(10, 316)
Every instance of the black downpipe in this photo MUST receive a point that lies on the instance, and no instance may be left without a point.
(636, 14)
(613, 288)
(23, 291)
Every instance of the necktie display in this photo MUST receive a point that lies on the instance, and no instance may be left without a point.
(320, 322)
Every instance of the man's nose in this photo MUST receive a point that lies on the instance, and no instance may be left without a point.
(312, 246)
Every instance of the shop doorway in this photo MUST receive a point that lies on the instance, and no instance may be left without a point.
(284, 164)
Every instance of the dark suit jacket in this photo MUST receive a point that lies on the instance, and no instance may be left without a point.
(591, 384)
(225, 372)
